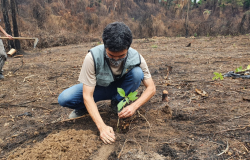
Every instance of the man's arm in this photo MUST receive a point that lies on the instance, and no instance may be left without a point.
(146, 95)
(107, 134)
(6, 34)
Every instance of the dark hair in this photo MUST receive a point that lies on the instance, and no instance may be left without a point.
(117, 36)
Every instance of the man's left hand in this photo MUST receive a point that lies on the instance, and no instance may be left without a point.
(127, 112)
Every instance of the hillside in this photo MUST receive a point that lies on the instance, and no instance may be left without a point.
(63, 22)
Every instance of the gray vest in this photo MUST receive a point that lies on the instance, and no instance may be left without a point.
(104, 75)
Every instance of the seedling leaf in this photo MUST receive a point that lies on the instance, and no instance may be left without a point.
(248, 67)
(132, 94)
(217, 76)
(121, 92)
(133, 98)
(239, 69)
(120, 105)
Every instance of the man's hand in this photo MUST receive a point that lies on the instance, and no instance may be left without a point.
(107, 134)
(146, 95)
(9, 36)
(127, 111)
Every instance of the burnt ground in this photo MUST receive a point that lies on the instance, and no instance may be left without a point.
(189, 126)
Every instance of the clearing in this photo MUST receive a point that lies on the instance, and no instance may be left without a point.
(189, 126)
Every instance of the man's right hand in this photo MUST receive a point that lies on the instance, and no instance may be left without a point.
(9, 36)
(107, 134)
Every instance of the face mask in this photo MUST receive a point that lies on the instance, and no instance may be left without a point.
(114, 62)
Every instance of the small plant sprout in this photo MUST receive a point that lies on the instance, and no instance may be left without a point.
(154, 46)
(217, 76)
(126, 99)
(240, 69)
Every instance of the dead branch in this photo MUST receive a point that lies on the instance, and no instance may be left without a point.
(230, 157)
(148, 125)
(224, 151)
(243, 145)
(55, 77)
(122, 149)
(27, 102)
(245, 148)
(128, 140)
(19, 67)
(22, 105)
(27, 77)
(4, 116)
(233, 129)
(239, 116)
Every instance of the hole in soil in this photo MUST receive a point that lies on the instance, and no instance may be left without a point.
(123, 127)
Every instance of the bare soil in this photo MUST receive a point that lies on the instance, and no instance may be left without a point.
(189, 126)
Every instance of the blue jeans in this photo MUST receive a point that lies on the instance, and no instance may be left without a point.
(73, 98)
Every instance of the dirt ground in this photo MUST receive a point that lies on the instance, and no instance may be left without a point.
(189, 126)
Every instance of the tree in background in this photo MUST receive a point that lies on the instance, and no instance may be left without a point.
(73, 21)
(14, 22)
(5, 6)
(246, 5)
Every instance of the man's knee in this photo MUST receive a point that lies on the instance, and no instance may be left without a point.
(63, 99)
(137, 74)
(71, 97)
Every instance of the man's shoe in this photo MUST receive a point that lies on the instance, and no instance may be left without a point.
(1, 76)
(114, 104)
(77, 113)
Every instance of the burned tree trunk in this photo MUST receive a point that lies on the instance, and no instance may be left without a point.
(15, 28)
(241, 25)
(7, 22)
(186, 23)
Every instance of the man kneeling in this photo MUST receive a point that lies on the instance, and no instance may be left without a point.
(105, 68)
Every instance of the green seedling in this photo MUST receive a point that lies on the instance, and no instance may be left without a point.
(217, 76)
(240, 69)
(126, 99)
(154, 46)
